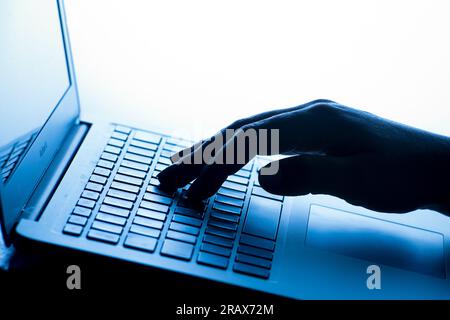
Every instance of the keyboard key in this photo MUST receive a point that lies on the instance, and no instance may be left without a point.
(177, 249)
(9, 167)
(90, 195)
(223, 224)
(94, 187)
(116, 143)
(112, 149)
(102, 171)
(103, 236)
(128, 179)
(263, 193)
(148, 137)
(172, 148)
(72, 229)
(154, 206)
(212, 260)
(255, 252)
(238, 179)
(160, 167)
(165, 161)
(189, 212)
(123, 129)
(132, 172)
(243, 174)
(155, 174)
(98, 179)
(184, 228)
(145, 231)
(156, 190)
(181, 236)
(154, 182)
(77, 220)
(108, 227)
(86, 203)
(118, 202)
(151, 214)
(218, 240)
(109, 156)
(141, 152)
(229, 201)
(226, 208)
(263, 216)
(114, 210)
(124, 187)
(15, 156)
(234, 186)
(248, 166)
(138, 158)
(82, 211)
(257, 242)
(119, 135)
(208, 247)
(231, 193)
(166, 154)
(148, 222)
(140, 242)
(144, 145)
(225, 216)
(105, 164)
(263, 263)
(134, 165)
(105, 217)
(11, 162)
(221, 232)
(187, 220)
(122, 194)
(158, 198)
(251, 270)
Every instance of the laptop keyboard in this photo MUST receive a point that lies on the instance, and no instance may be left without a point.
(122, 205)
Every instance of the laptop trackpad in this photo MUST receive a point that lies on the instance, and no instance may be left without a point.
(376, 240)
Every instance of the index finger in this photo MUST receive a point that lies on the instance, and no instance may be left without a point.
(186, 169)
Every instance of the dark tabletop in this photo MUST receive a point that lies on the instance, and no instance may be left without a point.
(32, 268)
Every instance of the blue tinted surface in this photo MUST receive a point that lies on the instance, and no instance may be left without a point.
(34, 74)
(376, 240)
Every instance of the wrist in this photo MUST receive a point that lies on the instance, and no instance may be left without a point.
(442, 182)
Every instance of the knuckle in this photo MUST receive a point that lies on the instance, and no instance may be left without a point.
(317, 101)
(237, 123)
(325, 109)
(246, 127)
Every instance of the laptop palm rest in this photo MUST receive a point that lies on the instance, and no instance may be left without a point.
(376, 240)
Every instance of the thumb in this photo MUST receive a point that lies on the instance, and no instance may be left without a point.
(304, 174)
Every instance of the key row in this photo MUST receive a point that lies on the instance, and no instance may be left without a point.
(91, 193)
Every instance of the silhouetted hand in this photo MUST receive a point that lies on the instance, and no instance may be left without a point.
(354, 155)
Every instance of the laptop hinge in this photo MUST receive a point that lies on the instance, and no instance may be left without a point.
(55, 172)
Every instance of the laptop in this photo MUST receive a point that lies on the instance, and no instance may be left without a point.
(91, 186)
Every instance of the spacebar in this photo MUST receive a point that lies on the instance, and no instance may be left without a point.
(263, 217)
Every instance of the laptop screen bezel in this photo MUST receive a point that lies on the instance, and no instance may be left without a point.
(16, 192)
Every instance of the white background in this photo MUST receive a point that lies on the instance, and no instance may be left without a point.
(194, 66)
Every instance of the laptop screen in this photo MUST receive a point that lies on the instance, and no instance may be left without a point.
(38, 99)
(33, 77)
